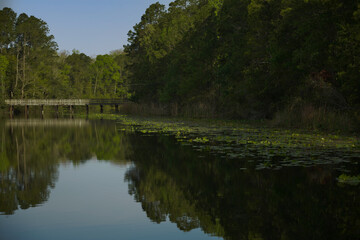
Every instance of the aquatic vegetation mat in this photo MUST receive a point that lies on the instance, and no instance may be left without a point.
(265, 147)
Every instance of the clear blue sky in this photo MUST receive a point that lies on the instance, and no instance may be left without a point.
(90, 26)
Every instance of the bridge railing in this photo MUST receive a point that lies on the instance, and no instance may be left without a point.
(63, 102)
(108, 101)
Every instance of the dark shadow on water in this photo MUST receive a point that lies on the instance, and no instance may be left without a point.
(221, 198)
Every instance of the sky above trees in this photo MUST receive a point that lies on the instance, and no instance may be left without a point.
(90, 26)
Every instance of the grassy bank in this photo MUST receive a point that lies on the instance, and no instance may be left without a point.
(317, 118)
(305, 116)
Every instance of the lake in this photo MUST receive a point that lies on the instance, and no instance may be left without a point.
(82, 179)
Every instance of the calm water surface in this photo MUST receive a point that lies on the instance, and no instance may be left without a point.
(78, 179)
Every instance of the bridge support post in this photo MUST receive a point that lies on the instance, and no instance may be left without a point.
(101, 108)
(42, 111)
(71, 111)
(57, 111)
(26, 111)
(116, 108)
(87, 109)
(11, 111)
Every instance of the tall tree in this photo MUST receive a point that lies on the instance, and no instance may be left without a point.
(79, 73)
(3, 67)
(7, 29)
(35, 49)
(107, 78)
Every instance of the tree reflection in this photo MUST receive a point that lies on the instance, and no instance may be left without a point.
(30, 156)
(214, 194)
(175, 183)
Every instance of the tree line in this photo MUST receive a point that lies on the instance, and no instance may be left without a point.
(223, 58)
(248, 58)
(32, 67)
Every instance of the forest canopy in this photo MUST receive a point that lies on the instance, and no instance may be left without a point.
(248, 58)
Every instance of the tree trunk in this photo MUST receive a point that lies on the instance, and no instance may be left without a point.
(2, 86)
(17, 70)
(96, 81)
(24, 70)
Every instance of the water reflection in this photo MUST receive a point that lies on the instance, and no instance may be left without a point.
(175, 183)
(31, 151)
(215, 194)
(46, 123)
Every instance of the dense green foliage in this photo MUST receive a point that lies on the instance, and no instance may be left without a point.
(31, 67)
(280, 59)
(248, 58)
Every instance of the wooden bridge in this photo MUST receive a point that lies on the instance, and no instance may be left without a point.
(62, 102)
